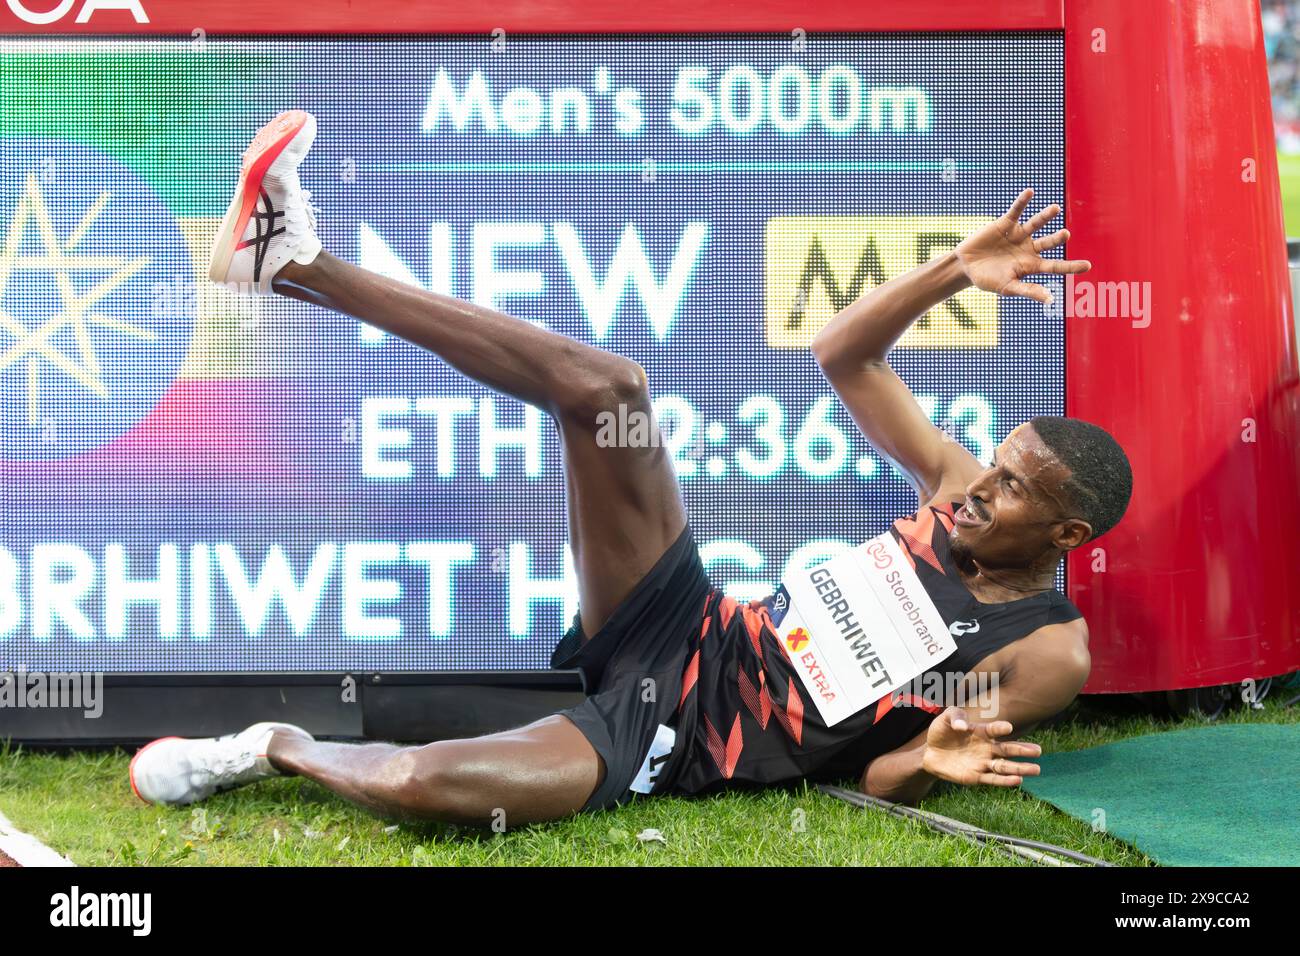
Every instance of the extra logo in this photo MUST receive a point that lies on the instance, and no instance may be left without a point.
(88, 9)
(796, 639)
(88, 345)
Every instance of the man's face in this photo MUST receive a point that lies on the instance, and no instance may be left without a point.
(1015, 510)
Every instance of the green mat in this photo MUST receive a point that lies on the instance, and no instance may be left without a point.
(1224, 795)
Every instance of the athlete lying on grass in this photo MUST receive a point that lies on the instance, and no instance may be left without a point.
(729, 709)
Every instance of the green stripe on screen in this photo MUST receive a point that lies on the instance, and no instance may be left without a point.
(173, 118)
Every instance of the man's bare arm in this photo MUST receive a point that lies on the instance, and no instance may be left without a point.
(962, 747)
(852, 348)
(851, 352)
(899, 776)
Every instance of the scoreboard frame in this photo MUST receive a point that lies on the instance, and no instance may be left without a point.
(1171, 180)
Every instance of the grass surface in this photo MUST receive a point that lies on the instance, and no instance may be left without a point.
(80, 804)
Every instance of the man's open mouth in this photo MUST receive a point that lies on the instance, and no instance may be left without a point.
(967, 515)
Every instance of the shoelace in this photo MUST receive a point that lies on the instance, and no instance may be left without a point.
(238, 761)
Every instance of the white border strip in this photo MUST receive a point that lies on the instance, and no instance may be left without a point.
(27, 850)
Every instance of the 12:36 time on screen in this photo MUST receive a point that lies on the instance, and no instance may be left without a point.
(404, 439)
(816, 445)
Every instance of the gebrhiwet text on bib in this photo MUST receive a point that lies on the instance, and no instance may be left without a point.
(858, 627)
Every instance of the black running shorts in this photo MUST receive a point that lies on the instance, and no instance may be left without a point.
(632, 668)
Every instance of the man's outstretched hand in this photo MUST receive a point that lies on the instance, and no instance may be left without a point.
(966, 752)
(998, 256)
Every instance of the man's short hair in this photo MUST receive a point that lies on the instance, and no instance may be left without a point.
(1101, 480)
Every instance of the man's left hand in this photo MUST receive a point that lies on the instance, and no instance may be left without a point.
(968, 752)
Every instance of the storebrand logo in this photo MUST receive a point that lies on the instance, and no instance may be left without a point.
(879, 555)
(958, 628)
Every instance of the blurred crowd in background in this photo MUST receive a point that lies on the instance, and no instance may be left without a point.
(1282, 42)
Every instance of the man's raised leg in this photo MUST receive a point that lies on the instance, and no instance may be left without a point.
(625, 505)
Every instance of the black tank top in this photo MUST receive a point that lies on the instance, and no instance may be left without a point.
(748, 719)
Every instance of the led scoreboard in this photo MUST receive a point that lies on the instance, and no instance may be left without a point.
(195, 481)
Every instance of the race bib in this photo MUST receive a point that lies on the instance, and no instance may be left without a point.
(858, 627)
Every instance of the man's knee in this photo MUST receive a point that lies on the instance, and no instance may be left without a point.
(593, 394)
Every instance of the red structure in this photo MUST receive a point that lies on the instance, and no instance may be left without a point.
(1171, 180)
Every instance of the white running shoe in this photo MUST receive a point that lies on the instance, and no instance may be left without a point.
(271, 220)
(176, 771)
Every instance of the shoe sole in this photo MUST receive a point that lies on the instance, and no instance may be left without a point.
(266, 147)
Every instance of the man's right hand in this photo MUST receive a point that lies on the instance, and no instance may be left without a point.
(997, 257)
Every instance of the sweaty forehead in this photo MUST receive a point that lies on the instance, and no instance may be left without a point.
(1023, 451)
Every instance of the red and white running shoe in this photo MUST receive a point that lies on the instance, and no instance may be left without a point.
(271, 220)
(176, 771)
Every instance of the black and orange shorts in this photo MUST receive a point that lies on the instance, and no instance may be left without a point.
(632, 670)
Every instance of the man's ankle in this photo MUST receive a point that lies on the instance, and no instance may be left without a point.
(295, 275)
(281, 746)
